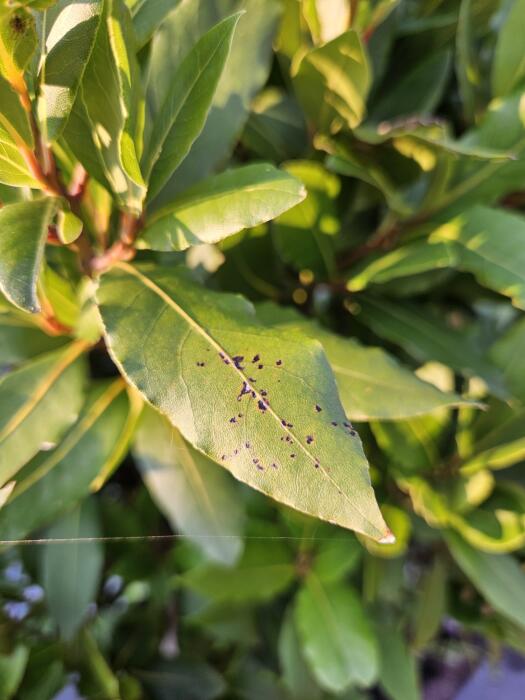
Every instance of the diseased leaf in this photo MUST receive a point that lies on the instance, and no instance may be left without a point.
(337, 640)
(18, 42)
(23, 231)
(194, 494)
(264, 570)
(221, 206)
(38, 402)
(498, 577)
(370, 381)
(332, 83)
(86, 456)
(71, 28)
(70, 572)
(491, 245)
(183, 113)
(181, 344)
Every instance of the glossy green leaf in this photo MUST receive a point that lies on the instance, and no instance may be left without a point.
(13, 167)
(183, 113)
(147, 16)
(332, 83)
(398, 673)
(490, 245)
(23, 232)
(244, 74)
(108, 113)
(221, 206)
(337, 639)
(14, 118)
(69, 226)
(70, 571)
(498, 577)
(508, 68)
(71, 28)
(264, 570)
(38, 402)
(304, 235)
(413, 259)
(87, 454)
(426, 336)
(370, 380)
(196, 496)
(202, 344)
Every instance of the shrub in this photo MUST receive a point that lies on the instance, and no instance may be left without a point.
(228, 230)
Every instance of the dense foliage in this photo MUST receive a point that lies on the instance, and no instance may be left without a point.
(259, 239)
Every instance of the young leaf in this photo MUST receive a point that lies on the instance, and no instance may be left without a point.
(221, 206)
(23, 232)
(244, 75)
(85, 457)
(194, 494)
(276, 422)
(109, 108)
(182, 116)
(332, 83)
(498, 577)
(70, 572)
(71, 28)
(337, 639)
(38, 402)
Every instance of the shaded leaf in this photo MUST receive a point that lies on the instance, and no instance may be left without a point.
(398, 675)
(508, 68)
(23, 231)
(221, 206)
(195, 495)
(202, 344)
(38, 402)
(147, 16)
(70, 572)
(337, 640)
(297, 677)
(12, 668)
(508, 353)
(22, 339)
(88, 453)
(430, 604)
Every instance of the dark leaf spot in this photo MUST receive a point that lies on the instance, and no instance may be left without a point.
(309, 439)
(318, 408)
(279, 363)
(256, 358)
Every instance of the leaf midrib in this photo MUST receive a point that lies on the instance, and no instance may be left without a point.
(218, 347)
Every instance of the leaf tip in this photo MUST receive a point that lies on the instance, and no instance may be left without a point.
(388, 538)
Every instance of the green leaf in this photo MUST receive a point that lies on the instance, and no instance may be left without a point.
(21, 339)
(204, 335)
(501, 447)
(109, 111)
(418, 91)
(398, 675)
(18, 42)
(304, 235)
(38, 402)
(88, 453)
(71, 28)
(468, 70)
(431, 605)
(336, 558)
(184, 111)
(70, 571)
(14, 119)
(508, 353)
(399, 522)
(413, 259)
(147, 16)
(244, 75)
(337, 639)
(425, 336)
(490, 245)
(370, 381)
(195, 495)
(275, 129)
(13, 167)
(508, 69)
(12, 669)
(264, 570)
(221, 206)
(498, 577)
(69, 226)
(297, 677)
(23, 232)
(332, 83)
